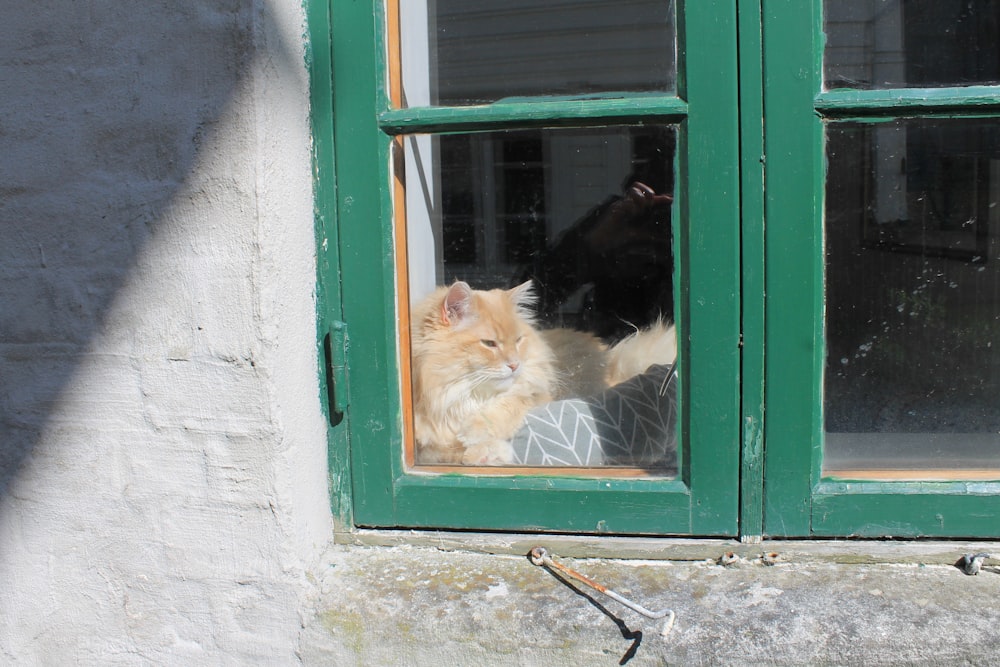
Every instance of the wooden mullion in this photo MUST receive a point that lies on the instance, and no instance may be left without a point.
(908, 101)
(544, 112)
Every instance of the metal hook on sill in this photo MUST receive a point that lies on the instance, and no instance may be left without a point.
(540, 556)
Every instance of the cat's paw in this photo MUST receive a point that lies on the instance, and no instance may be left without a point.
(435, 455)
(494, 453)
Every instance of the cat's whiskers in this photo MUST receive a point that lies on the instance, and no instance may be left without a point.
(488, 376)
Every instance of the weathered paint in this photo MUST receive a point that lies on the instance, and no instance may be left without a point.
(705, 500)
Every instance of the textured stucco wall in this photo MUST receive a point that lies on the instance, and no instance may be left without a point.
(162, 447)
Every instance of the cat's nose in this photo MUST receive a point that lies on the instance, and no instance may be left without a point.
(513, 365)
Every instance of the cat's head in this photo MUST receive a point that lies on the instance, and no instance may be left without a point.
(462, 305)
(490, 332)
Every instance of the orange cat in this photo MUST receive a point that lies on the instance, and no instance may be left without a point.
(479, 365)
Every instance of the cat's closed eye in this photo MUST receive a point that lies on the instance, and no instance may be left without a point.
(488, 343)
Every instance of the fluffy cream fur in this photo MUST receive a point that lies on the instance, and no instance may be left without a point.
(656, 344)
(479, 365)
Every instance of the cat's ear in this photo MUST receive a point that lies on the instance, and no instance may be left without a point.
(457, 304)
(524, 298)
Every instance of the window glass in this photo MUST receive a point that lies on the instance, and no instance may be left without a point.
(913, 297)
(456, 52)
(874, 44)
(572, 229)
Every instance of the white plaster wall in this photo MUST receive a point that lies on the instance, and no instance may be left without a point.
(162, 447)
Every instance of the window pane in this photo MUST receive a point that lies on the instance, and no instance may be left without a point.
(913, 296)
(873, 44)
(585, 215)
(456, 52)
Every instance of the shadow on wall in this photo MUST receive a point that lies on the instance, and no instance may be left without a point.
(104, 111)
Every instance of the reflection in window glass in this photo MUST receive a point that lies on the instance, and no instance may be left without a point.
(873, 44)
(913, 296)
(542, 373)
(456, 52)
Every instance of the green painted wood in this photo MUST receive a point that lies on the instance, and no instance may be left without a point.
(597, 507)
(793, 254)
(705, 501)
(798, 501)
(734, 464)
(366, 259)
(328, 301)
(952, 510)
(909, 101)
(538, 112)
(751, 102)
(710, 268)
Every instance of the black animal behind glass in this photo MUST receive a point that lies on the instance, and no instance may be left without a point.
(620, 250)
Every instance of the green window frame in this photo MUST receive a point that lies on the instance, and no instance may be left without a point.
(799, 500)
(357, 288)
(750, 296)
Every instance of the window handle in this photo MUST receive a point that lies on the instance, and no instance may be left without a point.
(337, 385)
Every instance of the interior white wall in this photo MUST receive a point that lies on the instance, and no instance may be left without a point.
(423, 192)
